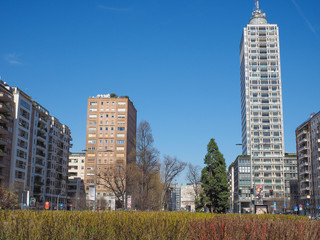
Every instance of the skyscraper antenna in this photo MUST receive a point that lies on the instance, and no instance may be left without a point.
(257, 4)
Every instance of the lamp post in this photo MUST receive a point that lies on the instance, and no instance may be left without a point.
(95, 176)
(58, 202)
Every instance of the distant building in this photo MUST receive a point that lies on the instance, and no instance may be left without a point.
(242, 185)
(174, 201)
(231, 186)
(188, 197)
(76, 188)
(111, 133)
(291, 181)
(245, 196)
(308, 152)
(76, 165)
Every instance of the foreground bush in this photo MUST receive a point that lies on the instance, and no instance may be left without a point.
(152, 225)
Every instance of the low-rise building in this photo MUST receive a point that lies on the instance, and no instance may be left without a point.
(242, 185)
(76, 188)
(174, 201)
(188, 197)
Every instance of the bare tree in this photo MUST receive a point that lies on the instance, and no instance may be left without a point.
(114, 179)
(147, 167)
(193, 177)
(8, 199)
(172, 167)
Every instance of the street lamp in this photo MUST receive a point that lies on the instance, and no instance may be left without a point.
(95, 175)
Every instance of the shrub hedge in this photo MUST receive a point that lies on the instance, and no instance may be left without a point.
(152, 225)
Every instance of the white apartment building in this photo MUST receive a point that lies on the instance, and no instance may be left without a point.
(40, 152)
(22, 140)
(57, 164)
(76, 189)
(261, 104)
(76, 165)
(308, 152)
(188, 197)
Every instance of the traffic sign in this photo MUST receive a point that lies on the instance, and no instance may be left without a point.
(24, 204)
(32, 202)
(319, 207)
(296, 208)
(284, 205)
(61, 204)
(307, 204)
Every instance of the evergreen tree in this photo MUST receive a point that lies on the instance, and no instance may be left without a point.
(214, 180)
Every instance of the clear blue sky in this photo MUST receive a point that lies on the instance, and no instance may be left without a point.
(177, 60)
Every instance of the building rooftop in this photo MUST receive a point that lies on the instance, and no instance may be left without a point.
(258, 17)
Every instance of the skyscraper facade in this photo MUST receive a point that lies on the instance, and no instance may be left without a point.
(261, 104)
(111, 133)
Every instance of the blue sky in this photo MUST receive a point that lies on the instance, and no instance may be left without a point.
(177, 60)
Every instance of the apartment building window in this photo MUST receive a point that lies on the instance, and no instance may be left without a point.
(19, 175)
(121, 109)
(25, 104)
(120, 141)
(20, 164)
(93, 110)
(121, 116)
(121, 128)
(21, 154)
(92, 141)
(24, 113)
(93, 103)
(92, 115)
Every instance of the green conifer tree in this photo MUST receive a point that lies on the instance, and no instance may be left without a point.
(214, 180)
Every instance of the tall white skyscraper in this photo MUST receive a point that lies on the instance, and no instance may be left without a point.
(261, 104)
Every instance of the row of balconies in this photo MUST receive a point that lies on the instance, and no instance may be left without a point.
(41, 135)
(4, 129)
(5, 118)
(303, 132)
